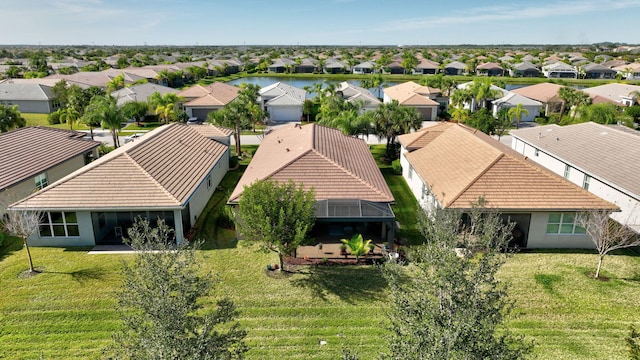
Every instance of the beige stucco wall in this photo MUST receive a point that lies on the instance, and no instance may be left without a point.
(538, 237)
(201, 196)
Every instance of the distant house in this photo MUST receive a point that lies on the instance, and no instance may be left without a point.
(353, 93)
(140, 92)
(546, 93)
(512, 100)
(395, 68)
(101, 78)
(201, 100)
(426, 67)
(452, 166)
(306, 66)
(559, 70)
(455, 68)
(281, 65)
(282, 101)
(525, 69)
(597, 71)
(351, 193)
(170, 173)
(33, 157)
(426, 100)
(628, 71)
(489, 69)
(333, 66)
(602, 159)
(364, 68)
(30, 97)
(473, 105)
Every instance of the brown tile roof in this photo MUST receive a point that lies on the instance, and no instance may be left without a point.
(461, 165)
(217, 94)
(29, 151)
(335, 165)
(212, 131)
(605, 152)
(160, 170)
(543, 92)
(422, 137)
(410, 93)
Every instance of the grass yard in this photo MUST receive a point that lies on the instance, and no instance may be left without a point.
(68, 311)
(41, 120)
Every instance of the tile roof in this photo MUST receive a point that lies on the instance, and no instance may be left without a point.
(613, 91)
(29, 151)
(543, 92)
(216, 94)
(411, 93)
(421, 138)
(335, 165)
(514, 99)
(462, 164)
(212, 131)
(488, 66)
(20, 91)
(352, 93)
(140, 92)
(605, 152)
(283, 94)
(162, 169)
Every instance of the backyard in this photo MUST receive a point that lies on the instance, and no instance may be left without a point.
(68, 311)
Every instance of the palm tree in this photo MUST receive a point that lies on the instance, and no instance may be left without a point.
(482, 91)
(71, 116)
(357, 246)
(116, 83)
(516, 113)
(164, 105)
(105, 110)
(460, 114)
(392, 119)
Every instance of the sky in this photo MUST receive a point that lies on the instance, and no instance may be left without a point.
(317, 22)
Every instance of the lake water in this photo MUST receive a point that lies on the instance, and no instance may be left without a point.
(264, 81)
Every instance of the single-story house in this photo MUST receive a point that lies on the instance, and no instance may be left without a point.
(33, 157)
(546, 93)
(559, 70)
(351, 193)
(427, 100)
(283, 102)
(170, 173)
(281, 65)
(395, 68)
(602, 159)
(201, 100)
(366, 67)
(353, 93)
(512, 100)
(100, 78)
(489, 69)
(452, 166)
(473, 105)
(30, 97)
(623, 94)
(597, 71)
(426, 67)
(333, 66)
(140, 92)
(455, 68)
(306, 66)
(524, 69)
(628, 71)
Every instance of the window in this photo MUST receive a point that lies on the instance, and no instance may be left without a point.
(41, 181)
(59, 224)
(209, 182)
(537, 153)
(567, 171)
(425, 192)
(410, 172)
(587, 180)
(563, 224)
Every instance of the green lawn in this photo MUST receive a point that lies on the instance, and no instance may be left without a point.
(41, 120)
(69, 310)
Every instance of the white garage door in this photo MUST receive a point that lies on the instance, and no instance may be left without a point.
(284, 114)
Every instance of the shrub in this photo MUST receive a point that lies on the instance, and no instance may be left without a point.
(226, 218)
(233, 162)
(54, 118)
(397, 168)
(1, 238)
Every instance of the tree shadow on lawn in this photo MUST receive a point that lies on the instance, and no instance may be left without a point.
(350, 283)
(82, 275)
(11, 245)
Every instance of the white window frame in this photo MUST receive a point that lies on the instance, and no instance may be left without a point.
(41, 181)
(586, 182)
(410, 172)
(563, 223)
(567, 171)
(47, 221)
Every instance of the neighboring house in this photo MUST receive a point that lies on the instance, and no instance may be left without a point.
(30, 97)
(452, 166)
(629, 71)
(473, 105)
(546, 93)
(490, 69)
(426, 67)
(512, 100)
(455, 68)
(559, 70)
(99, 78)
(524, 69)
(33, 157)
(170, 173)
(283, 102)
(281, 65)
(333, 66)
(597, 71)
(201, 100)
(602, 159)
(306, 66)
(366, 67)
(353, 93)
(395, 68)
(427, 100)
(623, 94)
(351, 193)
(140, 92)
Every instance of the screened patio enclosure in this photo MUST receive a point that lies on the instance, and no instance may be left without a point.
(339, 219)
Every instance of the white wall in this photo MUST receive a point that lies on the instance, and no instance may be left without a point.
(538, 237)
(629, 203)
(201, 196)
